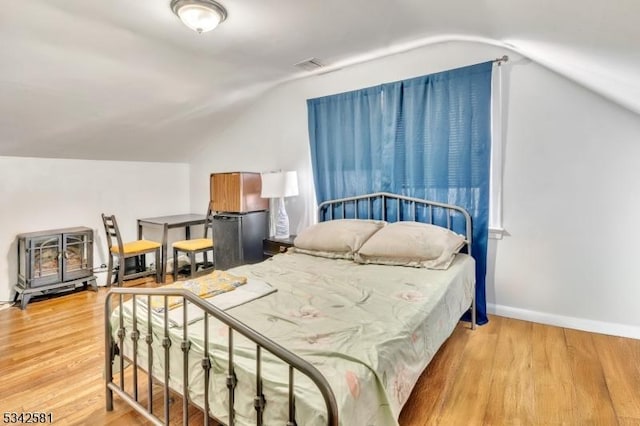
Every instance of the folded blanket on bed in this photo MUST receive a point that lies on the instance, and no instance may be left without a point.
(217, 282)
(254, 289)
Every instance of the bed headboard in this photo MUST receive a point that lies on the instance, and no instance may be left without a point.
(393, 208)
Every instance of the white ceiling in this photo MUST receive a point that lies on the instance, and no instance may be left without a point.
(116, 79)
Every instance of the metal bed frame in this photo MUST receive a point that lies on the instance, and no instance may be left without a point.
(406, 208)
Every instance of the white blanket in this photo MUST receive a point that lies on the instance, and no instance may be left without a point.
(253, 289)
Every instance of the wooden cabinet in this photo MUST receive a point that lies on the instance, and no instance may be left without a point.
(237, 192)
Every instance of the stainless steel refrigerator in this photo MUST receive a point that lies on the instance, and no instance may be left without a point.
(237, 238)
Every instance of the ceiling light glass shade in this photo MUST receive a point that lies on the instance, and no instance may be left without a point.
(199, 15)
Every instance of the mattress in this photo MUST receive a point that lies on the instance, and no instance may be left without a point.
(370, 330)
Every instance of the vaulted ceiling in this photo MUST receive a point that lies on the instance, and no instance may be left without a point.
(125, 80)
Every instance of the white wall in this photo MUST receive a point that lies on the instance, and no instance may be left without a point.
(39, 194)
(571, 202)
(570, 183)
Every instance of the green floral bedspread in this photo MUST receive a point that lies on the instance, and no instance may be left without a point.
(370, 330)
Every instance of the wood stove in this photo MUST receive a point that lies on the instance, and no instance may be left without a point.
(54, 260)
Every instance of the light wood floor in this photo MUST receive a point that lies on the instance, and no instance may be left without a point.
(507, 372)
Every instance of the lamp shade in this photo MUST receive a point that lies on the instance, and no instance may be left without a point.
(279, 184)
(199, 15)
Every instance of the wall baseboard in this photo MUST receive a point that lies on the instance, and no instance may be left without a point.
(583, 324)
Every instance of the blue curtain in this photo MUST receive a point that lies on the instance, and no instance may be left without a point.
(426, 137)
(347, 143)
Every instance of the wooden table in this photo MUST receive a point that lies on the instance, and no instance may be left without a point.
(185, 221)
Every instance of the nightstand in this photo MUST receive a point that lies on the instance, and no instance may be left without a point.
(272, 246)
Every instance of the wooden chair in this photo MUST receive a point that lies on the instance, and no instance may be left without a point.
(126, 250)
(193, 247)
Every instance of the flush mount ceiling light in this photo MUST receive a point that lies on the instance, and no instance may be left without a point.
(199, 15)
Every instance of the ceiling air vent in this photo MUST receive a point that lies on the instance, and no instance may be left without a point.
(310, 64)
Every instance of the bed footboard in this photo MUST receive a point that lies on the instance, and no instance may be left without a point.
(114, 350)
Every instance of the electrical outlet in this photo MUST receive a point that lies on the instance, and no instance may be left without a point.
(101, 268)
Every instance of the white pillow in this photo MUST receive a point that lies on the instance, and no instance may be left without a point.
(338, 239)
(420, 245)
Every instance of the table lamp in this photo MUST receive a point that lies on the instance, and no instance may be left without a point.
(280, 185)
